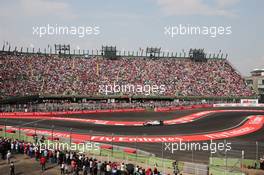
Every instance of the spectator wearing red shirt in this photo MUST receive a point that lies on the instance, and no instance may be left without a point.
(43, 161)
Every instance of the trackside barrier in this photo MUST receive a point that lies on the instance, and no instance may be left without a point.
(129, 150)
(183, 119)
(167, 109)
(238, 105)
(71, 112)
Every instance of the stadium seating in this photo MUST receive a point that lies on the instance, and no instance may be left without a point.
(22, 75)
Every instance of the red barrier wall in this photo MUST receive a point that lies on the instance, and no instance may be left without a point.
(167, 109)
(72, 112)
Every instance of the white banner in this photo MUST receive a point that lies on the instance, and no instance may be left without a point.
(238, 105)
(249, 101)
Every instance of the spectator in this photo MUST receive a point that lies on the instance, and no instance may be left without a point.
(43, 161)
(8, 157)
(12, 168)
(123, 168)
(62, 167)
(262, 163)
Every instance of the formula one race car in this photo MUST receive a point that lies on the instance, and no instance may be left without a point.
(153, 123)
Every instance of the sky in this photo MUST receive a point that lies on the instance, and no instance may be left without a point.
(131, 25)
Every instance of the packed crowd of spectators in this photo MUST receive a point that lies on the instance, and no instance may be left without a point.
(64, 105)
(22, 75)
(69, 162)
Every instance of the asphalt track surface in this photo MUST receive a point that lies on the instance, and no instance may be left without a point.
(211, 123)
(143, 116)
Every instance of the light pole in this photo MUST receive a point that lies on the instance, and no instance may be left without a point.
(70, 136)
(35, 136)
(136, 148)
(162, 155)
(5, 126)
(257, 151)
(243, 157)
(19, 133)
(90, 141)
(52, 129)
(112, 144)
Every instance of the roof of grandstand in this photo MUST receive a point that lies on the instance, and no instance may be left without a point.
(65, 50)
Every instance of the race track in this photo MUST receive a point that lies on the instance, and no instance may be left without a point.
(216, 122)
(211, 123)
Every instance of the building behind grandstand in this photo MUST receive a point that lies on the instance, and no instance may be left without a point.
(256, 82)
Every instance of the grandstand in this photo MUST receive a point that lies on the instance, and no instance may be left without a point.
(36, 76)
(23, 75)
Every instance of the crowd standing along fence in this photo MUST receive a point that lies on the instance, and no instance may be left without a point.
(152, 105)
